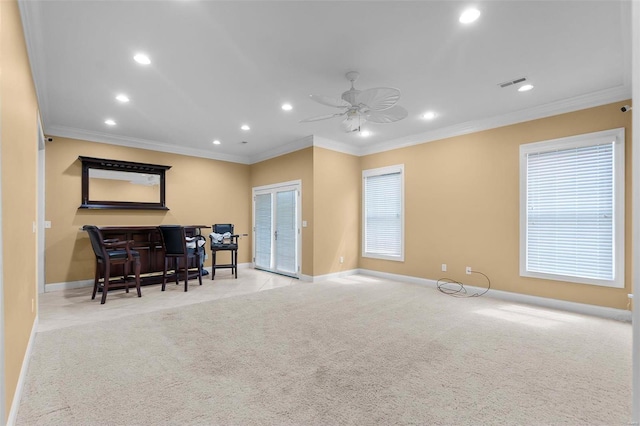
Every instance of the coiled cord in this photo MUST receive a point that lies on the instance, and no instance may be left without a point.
(459, 290)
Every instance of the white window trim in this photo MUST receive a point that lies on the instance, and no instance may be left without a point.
(590, 139)
(376, 172)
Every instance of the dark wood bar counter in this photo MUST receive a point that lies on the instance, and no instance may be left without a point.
(148, 242)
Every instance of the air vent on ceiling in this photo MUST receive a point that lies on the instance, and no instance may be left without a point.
(512, 82)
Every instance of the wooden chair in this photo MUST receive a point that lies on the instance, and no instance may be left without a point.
(228, 244)
(108, 253)
(174, 240)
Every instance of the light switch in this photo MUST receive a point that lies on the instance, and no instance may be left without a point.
(304, 223)
(47, 224)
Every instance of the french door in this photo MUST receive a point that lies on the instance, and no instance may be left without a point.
(276, 228)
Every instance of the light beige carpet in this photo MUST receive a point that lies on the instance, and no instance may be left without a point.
(354, 351)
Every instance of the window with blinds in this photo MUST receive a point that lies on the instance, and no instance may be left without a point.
(383, 213)
(572, 209)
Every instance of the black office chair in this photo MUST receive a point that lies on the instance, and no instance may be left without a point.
(174, 241)
(230, 243)
(112, 252)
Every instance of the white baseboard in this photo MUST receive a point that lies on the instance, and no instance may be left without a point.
(320, 278)
(88, 283)
(17, 396)
(67, 285)
(580, 308)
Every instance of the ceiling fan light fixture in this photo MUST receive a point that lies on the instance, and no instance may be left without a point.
(109, 122)
(122, 98)
(245, 127)
(142, 59)
(216, 142)
(287, 107)
(469, 15)
(429, 115)
(525, 87)
(365, 133)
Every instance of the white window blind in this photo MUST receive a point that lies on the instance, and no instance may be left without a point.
(573, 212)
(285, 239)
(383, 213)
(263, 230)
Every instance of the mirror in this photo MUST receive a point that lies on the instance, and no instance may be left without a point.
(111, 184)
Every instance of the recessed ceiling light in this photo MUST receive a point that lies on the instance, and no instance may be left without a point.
(216, 142)
(469, 15)
(429, 115)
(365, 133)
(525, 88)
(110, 122)
(287, 107)
(122, 98)
(141, 58)
(245, 127)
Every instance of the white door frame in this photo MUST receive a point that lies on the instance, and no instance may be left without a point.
(41, 207)
(635, 222)
(3, 348)
(290, 185)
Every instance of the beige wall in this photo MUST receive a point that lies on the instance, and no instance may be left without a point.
(462, 206)
(198, 192)
(288, 167)
(19, 165)
(336, 178)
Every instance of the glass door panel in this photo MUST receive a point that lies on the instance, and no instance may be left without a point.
(286, 231)
(263, 226)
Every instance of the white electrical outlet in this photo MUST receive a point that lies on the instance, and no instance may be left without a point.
(341, 259)
(468, 270)
(444, 267)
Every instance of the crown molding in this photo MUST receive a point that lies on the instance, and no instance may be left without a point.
(31, 24)
(73, 133)
(335, 145)
(589, 100)
(296, 145)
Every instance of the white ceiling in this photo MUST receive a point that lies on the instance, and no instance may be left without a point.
(219, 64)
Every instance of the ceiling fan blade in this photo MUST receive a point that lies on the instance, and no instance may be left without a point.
(352, 123)
(332, 102)
(389, 115)
(378, 98)
(321, 117)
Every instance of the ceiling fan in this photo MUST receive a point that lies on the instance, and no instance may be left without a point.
(377, 105)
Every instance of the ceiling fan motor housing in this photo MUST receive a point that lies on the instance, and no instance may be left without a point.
(350, 96)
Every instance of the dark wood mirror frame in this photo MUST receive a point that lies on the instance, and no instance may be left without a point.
(122, 166)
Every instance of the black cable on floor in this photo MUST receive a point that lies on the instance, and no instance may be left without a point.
(459, 290)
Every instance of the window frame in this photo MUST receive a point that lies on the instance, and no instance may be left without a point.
(617, 136)
(399, 168)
